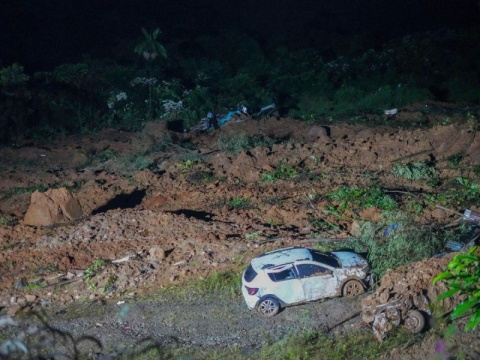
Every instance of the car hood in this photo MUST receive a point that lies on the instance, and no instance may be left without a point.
(350, 259)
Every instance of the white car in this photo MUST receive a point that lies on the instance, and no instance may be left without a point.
(296, 275)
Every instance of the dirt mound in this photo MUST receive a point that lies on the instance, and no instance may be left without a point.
(404, 289)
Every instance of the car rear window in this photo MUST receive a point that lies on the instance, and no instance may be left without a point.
(250, 274)
(326, 259)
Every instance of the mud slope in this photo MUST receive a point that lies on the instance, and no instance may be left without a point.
(176, 208)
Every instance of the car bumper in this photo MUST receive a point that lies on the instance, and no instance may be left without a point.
(250, 300)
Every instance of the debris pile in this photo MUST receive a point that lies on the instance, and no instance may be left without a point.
(403, 290)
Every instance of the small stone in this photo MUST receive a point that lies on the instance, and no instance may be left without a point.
(30, 298)
(157, 252)
(22, 301)
(13, 300)
(70, 275)
(92, 296)
(439, 214)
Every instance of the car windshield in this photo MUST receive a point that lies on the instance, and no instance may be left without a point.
(327, 259)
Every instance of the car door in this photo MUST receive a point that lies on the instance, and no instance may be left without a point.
(317, 281)
(286, 286)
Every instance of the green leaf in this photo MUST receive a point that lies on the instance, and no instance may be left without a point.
(442, 276)
(474, 321)
(462, 308)
(448, 294)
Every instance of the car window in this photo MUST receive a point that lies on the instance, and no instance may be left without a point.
(307, 270)
(250, 274)
(287, 274)
(326, 259)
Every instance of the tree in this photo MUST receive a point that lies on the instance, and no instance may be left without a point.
(150, 48)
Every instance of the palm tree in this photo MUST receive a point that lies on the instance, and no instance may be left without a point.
(150, 48)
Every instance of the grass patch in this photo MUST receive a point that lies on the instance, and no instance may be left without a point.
(419, 170)
(219, 284)
(240, 203)
(25, 190)
(140, 162)
(234, 143)
(454, 160)
(282, 172)
(317, 345)
(8, 220)
(349, 198)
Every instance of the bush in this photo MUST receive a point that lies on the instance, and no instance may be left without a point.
(463, 276)
(414, 171)
(347, 197)
(397, 240)
(234, 143)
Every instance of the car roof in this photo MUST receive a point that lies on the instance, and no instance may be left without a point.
(280, 257)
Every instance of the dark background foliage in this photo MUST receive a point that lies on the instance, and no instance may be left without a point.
(75, 60)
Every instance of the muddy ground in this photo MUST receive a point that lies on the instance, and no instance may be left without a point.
(196, 209)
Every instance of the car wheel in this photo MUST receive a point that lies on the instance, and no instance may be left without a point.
(352, 288)
(268, 307)
(414, 321)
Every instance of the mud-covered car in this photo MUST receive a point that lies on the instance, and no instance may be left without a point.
(296, 275)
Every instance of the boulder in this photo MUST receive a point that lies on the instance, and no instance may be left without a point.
(52, 207)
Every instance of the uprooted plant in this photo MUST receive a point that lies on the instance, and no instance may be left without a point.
(397, 240)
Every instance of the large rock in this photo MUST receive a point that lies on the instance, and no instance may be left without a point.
(52, 207)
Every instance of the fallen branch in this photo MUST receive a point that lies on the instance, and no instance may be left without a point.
(64, 282)
(343, 321)
(450, 210)
(316, 212)
(124, 259)
(267, 241)
(411, 155)
(400, 192)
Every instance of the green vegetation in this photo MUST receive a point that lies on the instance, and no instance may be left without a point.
(107, 154)
(185, 166)
(415, 171)
(94, 269)
(240, 203)
(252, 236)
(454, 160)
(218, 284)
(463, 277)
(467, 194)
(282, 172)
(317, 345)
(33, 287)
(394, 241)
(88, 94)
(348, 198)
(234, 143)
(8, 220)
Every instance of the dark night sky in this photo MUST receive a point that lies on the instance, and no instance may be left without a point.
(43, 33)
